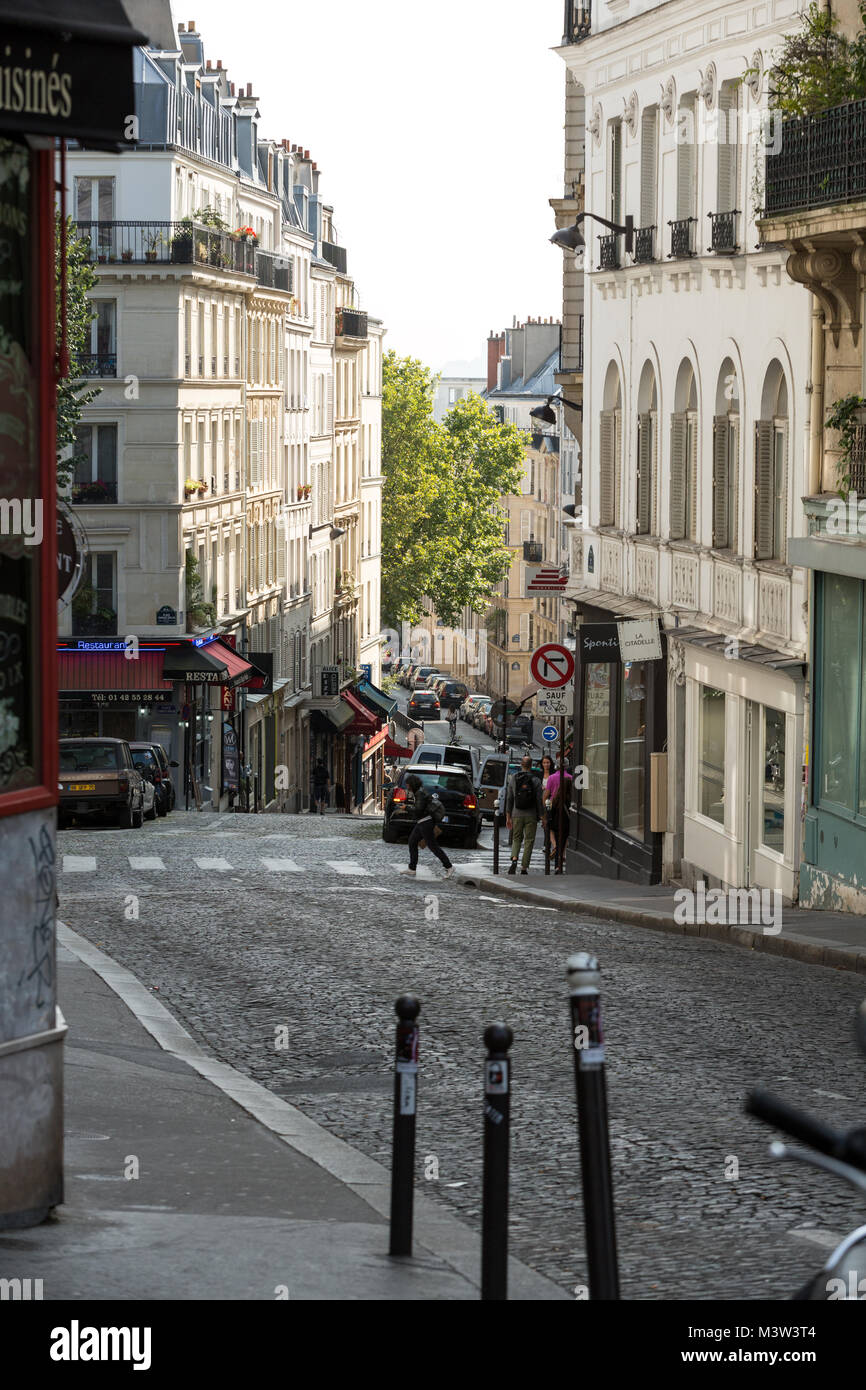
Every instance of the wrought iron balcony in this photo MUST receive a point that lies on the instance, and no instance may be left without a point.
(94, 493)
(820, 160)
(857, 462)
(98, 364)
(274, 272)
(682, 237)
(180, 243)
(723, 231)
(532, 552)
(578, 21)
(336, 255)
(644, 245)
(608, 252)
(351, 323)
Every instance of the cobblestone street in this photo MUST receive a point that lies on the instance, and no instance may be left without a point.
(247, 925)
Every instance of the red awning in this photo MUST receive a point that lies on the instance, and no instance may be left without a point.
(240, 672)
(88, 673)
(363, 722)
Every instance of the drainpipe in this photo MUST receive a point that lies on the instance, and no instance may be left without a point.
(816, 405)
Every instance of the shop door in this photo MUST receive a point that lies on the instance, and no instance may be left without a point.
(765, 791)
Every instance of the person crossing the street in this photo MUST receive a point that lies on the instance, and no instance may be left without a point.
(452, 723)
(321, 787)
(428, 813)
(524, 808)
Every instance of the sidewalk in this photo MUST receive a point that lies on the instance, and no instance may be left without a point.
(239, 1195)
(836, 939)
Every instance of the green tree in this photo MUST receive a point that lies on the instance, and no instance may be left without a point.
(817, 66)
(73, 393)
(442, 520)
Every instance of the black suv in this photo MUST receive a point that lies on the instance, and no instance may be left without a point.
(454, 789)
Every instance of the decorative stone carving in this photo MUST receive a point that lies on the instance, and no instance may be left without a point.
(594, 123)
(668, 100)
(611, 566)
(754, 75)
(707, 86)
(646, 571)
(630, 110)
(833, 277)
(727, 593)
(774, 597)
(684, 581)
(676, 661)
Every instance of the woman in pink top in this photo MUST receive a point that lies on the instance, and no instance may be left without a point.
(551, 794)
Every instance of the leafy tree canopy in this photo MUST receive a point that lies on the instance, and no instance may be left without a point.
(442, 520)
(817, 66)
(73, 394)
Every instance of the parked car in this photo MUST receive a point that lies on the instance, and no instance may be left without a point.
(462, 821)
(149, 764)
(446, 754)
(452, 692)
(407, 673)
(166, 764)
(481, 715)
(468, 705)
(424, 705)
(98, 776)
(419, 677)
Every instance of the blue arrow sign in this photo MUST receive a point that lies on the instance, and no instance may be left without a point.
(548, 733)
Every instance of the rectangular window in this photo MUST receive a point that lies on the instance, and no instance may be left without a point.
(773, 780)
(95, 476)
(632, 761)
(103, 341)
(842, 708)
(711, 745)
(94, 609)
(596, 738)
(615, 170)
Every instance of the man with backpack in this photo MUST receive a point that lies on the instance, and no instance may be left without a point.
(429, 812)
(523, 810)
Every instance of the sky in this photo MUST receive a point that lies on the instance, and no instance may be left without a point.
(438, 132)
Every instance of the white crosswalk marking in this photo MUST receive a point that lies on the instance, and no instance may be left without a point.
(217, 866)
(282, 866)
(79, 864)
(145, 861)
(348, 866)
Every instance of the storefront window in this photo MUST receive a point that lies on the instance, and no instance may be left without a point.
(773, 783)
(596, 737)
(711, 769)
(632, 750)
(840, 717)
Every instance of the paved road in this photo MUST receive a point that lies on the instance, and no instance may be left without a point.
(436, 731)
(250, 924)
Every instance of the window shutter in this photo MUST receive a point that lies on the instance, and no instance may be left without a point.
(692, 477)
(617, 467)
(615, 170)
(606, 468)
(764, 489)
(780, 442)
(726, 183)
(329, 425)
(648, 166)
(686, 164)
(525, 525)
(734, 480)
(644, 472)
(721, 539)
(679, 431)
(524, 631)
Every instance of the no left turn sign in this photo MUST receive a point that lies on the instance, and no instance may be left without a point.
(552, 665)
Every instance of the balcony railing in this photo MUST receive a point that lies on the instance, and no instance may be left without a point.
(351, 323)
(532, 552)
(644, 245)
(682, 237)
(273, 271)
(723, 230)
(94, 493)
(578, 21)
(857, 462)
(336, 255)
(819, 160)
(608, 252)
(98, 364)
(179, 243)
(101, 624)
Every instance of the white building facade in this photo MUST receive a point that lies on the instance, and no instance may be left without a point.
(696, 364)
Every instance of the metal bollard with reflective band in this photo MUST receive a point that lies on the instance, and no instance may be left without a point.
(587, 1035)
(494, 1203)
(405, 1102)
(496, 821)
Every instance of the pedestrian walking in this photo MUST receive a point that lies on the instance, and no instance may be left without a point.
(321, 787)
(547, 770)
(523, 810)
(556, 793)
(429, 811)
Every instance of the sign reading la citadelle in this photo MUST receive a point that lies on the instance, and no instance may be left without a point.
(628, 640)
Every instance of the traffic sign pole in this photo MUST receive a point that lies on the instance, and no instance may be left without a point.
(560, 847)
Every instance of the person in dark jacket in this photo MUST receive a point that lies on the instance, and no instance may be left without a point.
(321, 786)
(524, 808)
(425, 826)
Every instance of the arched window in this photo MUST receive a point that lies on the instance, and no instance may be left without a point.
(610, 450)
(645, 462)
(771, 467)
(726, 459)
(684, 456)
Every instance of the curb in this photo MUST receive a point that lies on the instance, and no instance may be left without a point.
(807, 950)
(441, 1234)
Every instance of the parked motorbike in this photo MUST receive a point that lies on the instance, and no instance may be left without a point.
(843, 1275)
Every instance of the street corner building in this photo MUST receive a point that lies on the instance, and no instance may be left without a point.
(48, 93)
(695, 354)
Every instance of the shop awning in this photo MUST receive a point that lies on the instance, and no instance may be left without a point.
(362, 721)
(377, 699)
(624, 606)
(98, 675)
(746, 651)
(329, 720)
(186, 662)
(78, 55)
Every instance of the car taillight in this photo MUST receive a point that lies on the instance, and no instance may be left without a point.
(469, 802)
(399, 794)
(123, 783)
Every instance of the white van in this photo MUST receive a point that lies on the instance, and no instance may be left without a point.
(457, 755)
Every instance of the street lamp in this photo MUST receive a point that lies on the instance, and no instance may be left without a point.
(571, 238)
(546, 414)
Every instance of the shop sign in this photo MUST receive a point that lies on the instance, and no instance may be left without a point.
(71, 549)
(230, 758)
(599, 642)
(227, 698)
(166, 616)
(125, 697)
(330, 677)
(640, 640)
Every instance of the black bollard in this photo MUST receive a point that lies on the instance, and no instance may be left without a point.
(405, 1098)
(587, 1035)
(494, 1202)
(496, 842)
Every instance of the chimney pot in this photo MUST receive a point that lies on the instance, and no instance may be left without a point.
(191, 26)
(181, 28)
(306, 154)
(249, 89)
(219, 64)
(207, 65)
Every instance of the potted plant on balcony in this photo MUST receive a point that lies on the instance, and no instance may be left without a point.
(848, 416)
(93, 491)
(193, 487)
(307, 489)
(126, 255)
(152, 242)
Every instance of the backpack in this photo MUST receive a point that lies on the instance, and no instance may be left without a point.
(524, 792)
(437, 810)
